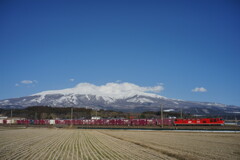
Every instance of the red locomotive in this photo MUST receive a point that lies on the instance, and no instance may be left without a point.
(199, 121)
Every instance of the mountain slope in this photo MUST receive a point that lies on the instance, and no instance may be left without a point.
(115, 96)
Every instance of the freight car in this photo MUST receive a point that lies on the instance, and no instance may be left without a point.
(199, 121)
(103, 122)
(117, 122)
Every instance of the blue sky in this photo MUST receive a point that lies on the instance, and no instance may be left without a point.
(182, 44)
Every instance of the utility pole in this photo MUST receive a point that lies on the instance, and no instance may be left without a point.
(11, 117)
(35, 115)
(71, 116)
(162, 115)
(181, 113)
(236, 119)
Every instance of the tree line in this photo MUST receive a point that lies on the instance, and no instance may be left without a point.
(46, 112)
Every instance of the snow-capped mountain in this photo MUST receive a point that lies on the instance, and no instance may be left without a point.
(116, 96)
(109, 92)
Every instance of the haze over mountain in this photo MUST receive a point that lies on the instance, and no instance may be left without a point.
(117, 96)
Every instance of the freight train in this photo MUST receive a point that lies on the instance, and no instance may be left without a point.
(103, 122)
(123, 122)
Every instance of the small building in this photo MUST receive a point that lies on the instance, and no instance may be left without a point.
(3, 117)
(96, 118)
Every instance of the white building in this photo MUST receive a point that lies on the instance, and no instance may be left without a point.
(96, 118)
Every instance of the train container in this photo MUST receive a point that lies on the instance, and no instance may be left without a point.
(138, 122)
(45, 122)
(14, 121)
(102, 121)
(23, 122)
(151, 122)
(4, 121)
(92, 121)
(111, 122)
(9, 121)
(119, 122)
(26, 122)
(89, 122)
(41, 122)
(122, 122)
(74, 122)
(134, 122)
(67, 122)
(142, 122)
(165, 122)
(106, 121)
(60, 122)
(52, 121)
(20, 122)
(126, 122)
(85, 122)
(31, 122)
(36, 122)
(99, 122)
(80, 122)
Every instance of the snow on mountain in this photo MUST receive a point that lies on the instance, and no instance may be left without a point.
(116, 96)
(140, 100)
(109, 92)
(216, 104)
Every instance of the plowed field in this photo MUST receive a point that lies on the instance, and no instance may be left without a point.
(76, 144)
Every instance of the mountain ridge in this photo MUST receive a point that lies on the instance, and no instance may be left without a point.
(117, 96)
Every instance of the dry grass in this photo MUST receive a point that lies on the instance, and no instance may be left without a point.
(185, 145)
(107, 144)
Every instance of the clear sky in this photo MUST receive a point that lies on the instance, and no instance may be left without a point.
(192, 47)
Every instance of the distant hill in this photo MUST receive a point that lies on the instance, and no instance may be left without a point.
(83, 96)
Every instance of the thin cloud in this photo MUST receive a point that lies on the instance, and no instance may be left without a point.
(71, 79)
(26, 82)
(199, 89)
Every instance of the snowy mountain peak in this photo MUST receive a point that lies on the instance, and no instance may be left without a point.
(108, 91)
(117, 96)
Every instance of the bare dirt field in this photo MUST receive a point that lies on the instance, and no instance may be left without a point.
(43, 143)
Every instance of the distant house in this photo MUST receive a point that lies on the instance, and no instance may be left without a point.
(3, 117)
(96, 118)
